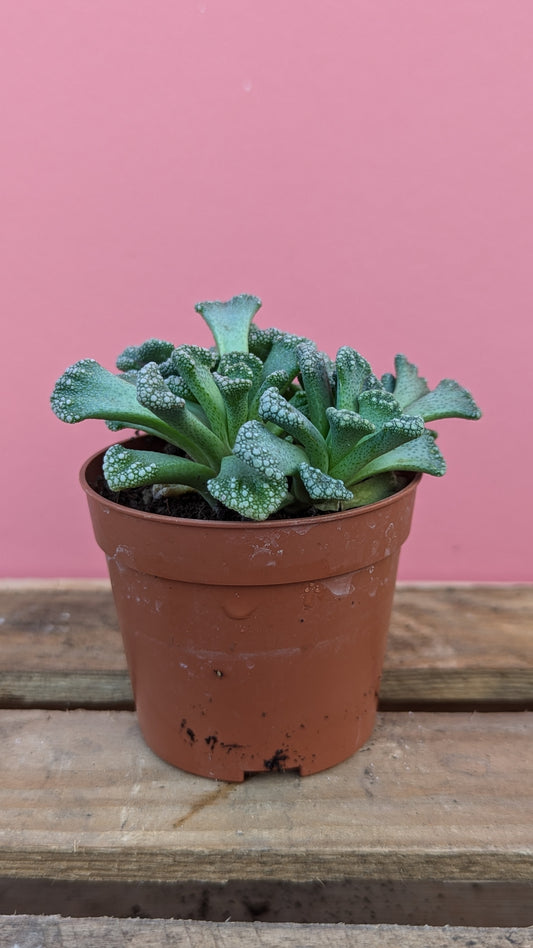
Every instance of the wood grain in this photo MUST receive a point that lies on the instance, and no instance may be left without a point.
(431, 821)
(448, 645)
(431, 796)
(470, 645)
(30, 932)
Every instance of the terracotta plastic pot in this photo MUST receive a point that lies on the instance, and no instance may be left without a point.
(253, 646)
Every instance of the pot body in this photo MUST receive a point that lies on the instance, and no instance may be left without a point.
(253, 646)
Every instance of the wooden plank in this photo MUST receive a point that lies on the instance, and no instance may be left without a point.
(61, 646)
(430, 797)
(454, 645)
(65, 625)
(460, 644)
(29, 931)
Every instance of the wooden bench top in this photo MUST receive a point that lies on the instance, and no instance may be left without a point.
(26, 932)
(430, 823)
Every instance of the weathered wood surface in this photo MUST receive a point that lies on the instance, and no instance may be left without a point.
(36, 932)
(431, 796)
(460, 644)
(432, 821)
(448, 645)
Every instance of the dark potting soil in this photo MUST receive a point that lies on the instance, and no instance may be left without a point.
(191, 506)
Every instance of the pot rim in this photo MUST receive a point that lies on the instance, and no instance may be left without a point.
(239, 524)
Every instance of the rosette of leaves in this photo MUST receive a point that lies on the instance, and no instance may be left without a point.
(360, 434)
(262, 420)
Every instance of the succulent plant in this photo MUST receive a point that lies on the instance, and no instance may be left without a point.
(263, 420)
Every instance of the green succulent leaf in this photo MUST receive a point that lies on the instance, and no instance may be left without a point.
(388, 382)
(391, 435)
(265, 452)
(235, 393)
(375, 488)
(229, 321)
(421, 454)
(125, 468)
(373, 383)
(130, 376)
(153, 350)
(191, 434)
(246, 490)
(199, 355)
(298, 400)
(193, 365)
(378, 406)
(261, 413)
(352, 371)
(239, 365)
(167, 368)
(154, 393)
(178, 386)
(322, 488)
(346, 428)
(278, 380)
(447, 400)
(87, 390)
(408, 385)
(283, 355)
(273, 407)
(316, 383)
(115, 426)
(260, 341)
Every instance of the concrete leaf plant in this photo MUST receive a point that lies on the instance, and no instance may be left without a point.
(263, 420)
(255, 637)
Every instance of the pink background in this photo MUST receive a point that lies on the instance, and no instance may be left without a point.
(364, 167)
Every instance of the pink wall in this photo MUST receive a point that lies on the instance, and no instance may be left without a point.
(364, 167)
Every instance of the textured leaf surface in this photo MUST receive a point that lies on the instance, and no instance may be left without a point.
(241, 365)
(409, 385)
(190, 432)
(447, 400)
(393, 433)
(154, 393)
(352, 372)
(273, 407)
(422, 455)
(375, 488)
(265, 452)
(378, 406)
(346, 428)
(125, 467)
(322, 487)
(229, 321)
(244, 489)
(235, 393)
(153, 350)
(87, 390)
(192, 365)
(316, 383)
(283, 355)
(260, 341)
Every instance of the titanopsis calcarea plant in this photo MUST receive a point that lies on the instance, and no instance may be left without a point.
(263, 419)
